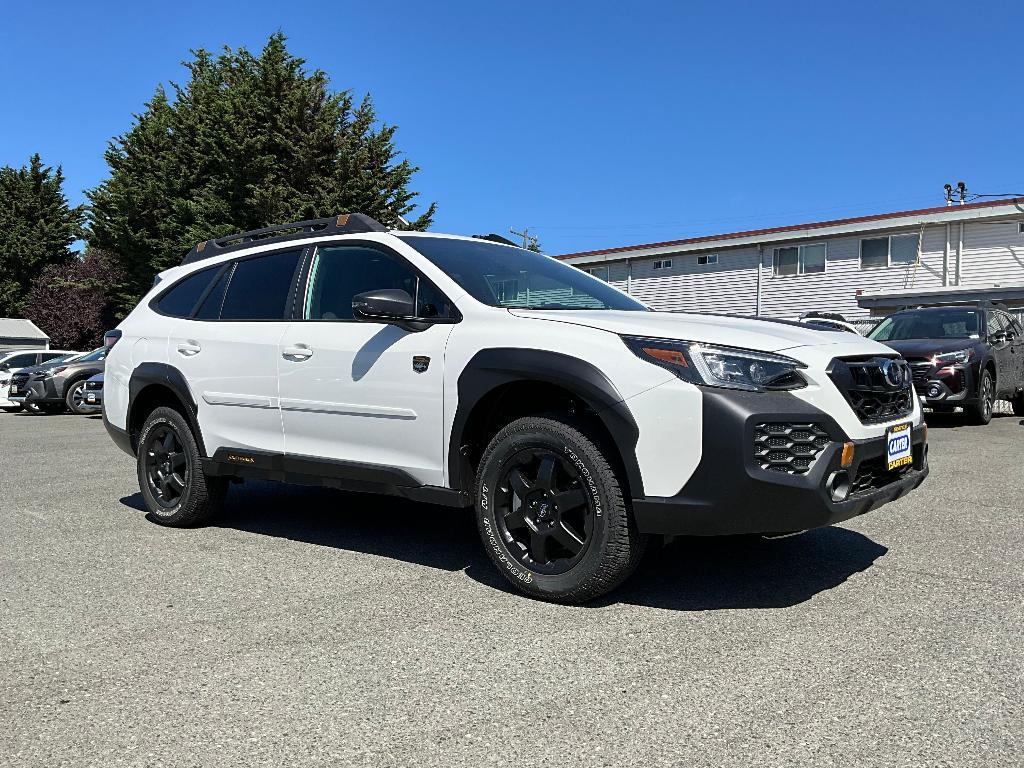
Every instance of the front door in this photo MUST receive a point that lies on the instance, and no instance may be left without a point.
(361, 392)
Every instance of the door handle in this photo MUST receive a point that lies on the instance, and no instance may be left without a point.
(189, 348)
(298, 353)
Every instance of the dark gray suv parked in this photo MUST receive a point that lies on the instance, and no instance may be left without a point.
(54, 388)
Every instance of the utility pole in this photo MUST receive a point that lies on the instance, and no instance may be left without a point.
(528, 239)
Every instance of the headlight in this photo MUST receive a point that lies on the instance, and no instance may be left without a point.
(961, 356)
(716, 366)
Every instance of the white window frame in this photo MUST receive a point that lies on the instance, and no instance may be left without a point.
(662, 264)
(709, 259)
(888, 255)
(799, 259)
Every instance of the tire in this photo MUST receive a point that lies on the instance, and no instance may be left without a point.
(74, 398)
(588, 542)
(11, 408)
(171, 478)
(981, 412)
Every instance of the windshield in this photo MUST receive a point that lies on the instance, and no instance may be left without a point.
(62, 358)
(96, 354)
(504, 276)
(932, 324)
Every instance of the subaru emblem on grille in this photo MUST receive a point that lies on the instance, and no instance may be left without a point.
(895, 373)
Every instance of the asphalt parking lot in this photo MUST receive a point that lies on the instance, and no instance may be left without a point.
(312, 627)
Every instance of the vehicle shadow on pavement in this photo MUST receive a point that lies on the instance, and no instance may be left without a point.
(691, 574)
(437, 537)
(713, 573)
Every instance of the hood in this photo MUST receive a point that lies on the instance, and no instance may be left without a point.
(926, 348)
(41, 367)
(727, 330)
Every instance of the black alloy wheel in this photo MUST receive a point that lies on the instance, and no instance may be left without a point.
(543, 511)
(166, 465)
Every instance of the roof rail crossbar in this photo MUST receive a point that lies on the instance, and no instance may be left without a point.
(343, 224)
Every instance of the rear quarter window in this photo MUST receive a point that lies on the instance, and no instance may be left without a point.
(180, 300)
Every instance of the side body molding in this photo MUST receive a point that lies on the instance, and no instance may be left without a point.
(492, 368)
(170, 377)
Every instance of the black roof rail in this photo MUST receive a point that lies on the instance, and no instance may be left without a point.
(343, 224)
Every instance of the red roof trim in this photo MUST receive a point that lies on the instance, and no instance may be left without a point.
(794, 228)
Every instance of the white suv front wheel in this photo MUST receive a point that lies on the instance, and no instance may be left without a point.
(551, 512)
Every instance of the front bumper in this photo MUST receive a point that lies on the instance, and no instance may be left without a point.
(729, 493)
(946, 385)
(38, 391)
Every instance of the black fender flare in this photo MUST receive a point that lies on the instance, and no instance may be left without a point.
(492, 368)
(171, 378)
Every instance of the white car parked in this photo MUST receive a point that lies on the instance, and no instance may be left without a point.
(12, 361)
(463, 372)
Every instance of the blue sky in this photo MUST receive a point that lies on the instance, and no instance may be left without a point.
(595, 124)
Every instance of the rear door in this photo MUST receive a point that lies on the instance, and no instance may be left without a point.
(227, 348)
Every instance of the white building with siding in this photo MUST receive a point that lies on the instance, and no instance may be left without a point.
(21, 334)
(827, 265)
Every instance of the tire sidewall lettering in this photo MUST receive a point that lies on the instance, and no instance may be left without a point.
(588, 478)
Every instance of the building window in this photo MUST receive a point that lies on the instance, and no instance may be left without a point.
(663, 264)
(799, 260)
(710, 258)
(898, 250)
(1020, 227)
(601, 273)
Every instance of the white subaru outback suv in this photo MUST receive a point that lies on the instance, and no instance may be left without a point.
(465, 372)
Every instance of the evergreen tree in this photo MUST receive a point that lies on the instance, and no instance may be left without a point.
(37, 228)
(247, 142)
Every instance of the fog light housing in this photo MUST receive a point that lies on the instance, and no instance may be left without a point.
(934, 391)
(838, 485)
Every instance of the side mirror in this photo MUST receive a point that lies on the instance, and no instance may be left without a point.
(997, 338)
(1011, 336)
(387, 305)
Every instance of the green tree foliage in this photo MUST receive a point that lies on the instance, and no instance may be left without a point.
(247, 142)
(37, 228)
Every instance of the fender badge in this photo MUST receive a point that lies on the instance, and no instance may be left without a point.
(420, 363)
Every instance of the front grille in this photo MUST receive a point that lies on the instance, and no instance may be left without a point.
(18, 381)
(789, 447)
(922, 372)
(871, 395)
(873, 474)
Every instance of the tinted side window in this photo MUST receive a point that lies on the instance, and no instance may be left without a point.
(338, 274)
(49, 356)
(210, 308)
(22, 361)
(260, 287)
(181, 299)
